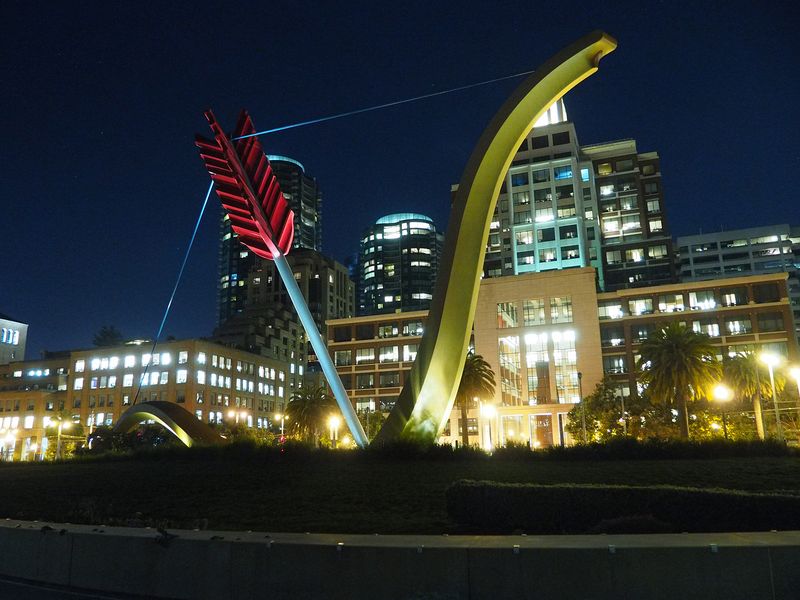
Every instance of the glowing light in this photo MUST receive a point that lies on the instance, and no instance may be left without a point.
(771, 360)
(488, 410)
(722, 392)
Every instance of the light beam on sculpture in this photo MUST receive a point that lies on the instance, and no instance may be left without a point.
(427, 397)
(177, 420)
(264, 222)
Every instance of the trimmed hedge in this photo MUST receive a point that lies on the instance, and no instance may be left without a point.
(654, 449)
(490, 507)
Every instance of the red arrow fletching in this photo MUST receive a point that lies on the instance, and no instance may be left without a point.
(247, 186)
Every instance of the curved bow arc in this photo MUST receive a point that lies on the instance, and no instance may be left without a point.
(429, 392)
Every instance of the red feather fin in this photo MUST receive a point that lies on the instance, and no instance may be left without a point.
(248, 188)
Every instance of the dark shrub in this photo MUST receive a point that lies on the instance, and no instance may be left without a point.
(568, 508)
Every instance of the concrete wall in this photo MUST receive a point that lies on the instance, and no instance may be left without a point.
(218, 565)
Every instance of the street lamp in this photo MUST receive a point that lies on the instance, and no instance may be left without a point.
(623, 420)
(282, 417)
(772, 361)
(62, 424)
(722, 393)
(490, 412)
(333, 423)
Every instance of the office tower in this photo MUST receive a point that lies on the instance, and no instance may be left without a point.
(563, 205)
(235, 261)
(398, 260)
(268, 323)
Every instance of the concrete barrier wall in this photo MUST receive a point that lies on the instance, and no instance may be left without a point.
(237, 565)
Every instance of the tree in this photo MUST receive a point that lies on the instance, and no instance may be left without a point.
(677, 364)
(108, 335)
(749, 379)
(371, 421)
(477, 381)
(604, 418)
(307, 411)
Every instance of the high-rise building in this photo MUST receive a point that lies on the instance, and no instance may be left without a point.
(563, 205)
(752, 251)
(13, 336)
(235, 261)
(398, 261)
(635, 241)
(268, 323)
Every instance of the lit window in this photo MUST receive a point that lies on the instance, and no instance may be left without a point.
(78, 385)
(130, 361)
(201, 377)
(95, 364)
(183, 357)
(112, 381)
(164, 379)
(80, 365)
(113, 362)
(154, 377)
(127, 380)
(28, 422)
(181, 376)
(410, 352)
(145, 359)
(389, 354)
(561, 309)
(201, 358)
(365, 355)
(166, 358)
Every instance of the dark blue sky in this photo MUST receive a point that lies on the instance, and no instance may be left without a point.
(100, 103)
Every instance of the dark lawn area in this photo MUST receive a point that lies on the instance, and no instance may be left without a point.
(325, 491)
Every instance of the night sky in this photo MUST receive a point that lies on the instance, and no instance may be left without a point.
(101, 101)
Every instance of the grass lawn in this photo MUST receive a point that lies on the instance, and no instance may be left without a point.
(324, 492)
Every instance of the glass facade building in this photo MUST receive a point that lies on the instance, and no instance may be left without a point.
(563, 205)
(398, 261)
(235, 261)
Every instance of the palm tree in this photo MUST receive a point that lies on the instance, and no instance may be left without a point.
(307, 409)
(477, 380)
(742, 372)
(749, 379)
(677, 363)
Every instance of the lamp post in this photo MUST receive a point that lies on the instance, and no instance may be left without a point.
(583, 406)
(624, 419)
(61, 425)
(282, 418)
(490, 412)
(722, 393)
(772, 361)
(333, 423)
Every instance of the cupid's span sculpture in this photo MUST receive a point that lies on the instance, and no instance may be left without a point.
(250, 193)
